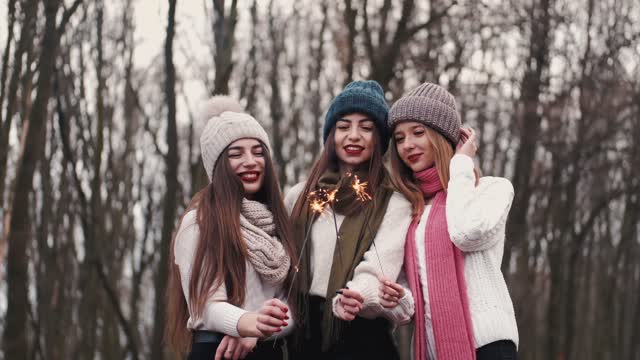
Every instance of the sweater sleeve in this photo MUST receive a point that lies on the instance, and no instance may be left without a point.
(399, 315)
(476, 213)
(387, 253)
(218, 315)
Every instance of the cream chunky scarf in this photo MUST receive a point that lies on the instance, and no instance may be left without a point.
(266, 253)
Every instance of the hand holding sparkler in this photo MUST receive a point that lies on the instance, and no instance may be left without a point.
(348, 304)
(390, 293)
(266, 321)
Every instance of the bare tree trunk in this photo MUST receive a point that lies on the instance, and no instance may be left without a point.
(25, 46)
(275, 103)
(383, 57)
(293, 66)
(250, 74)
(171, 179)
(576, 244)
(532, 86)
(224, 28)
(11, 13)
(45, 275)
(350, 15)
(19, 233)
(633, 347)
(626, 281)
(90, 308)
(139, 265)
(314, 78)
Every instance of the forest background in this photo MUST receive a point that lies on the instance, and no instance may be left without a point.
(99, 147)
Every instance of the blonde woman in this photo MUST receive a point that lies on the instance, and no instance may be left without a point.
(454, 246)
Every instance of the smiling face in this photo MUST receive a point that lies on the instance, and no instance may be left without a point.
(246, 158)
(354, 139)
(414, 146)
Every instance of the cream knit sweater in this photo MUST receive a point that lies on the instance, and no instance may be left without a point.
(389, 242)
(218, 314)
(476, 219)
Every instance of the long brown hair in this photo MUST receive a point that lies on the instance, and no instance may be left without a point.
(328, 160)
(221, 251)
(402, 176)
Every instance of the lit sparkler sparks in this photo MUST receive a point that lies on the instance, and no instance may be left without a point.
(361, 189)
(318, 200)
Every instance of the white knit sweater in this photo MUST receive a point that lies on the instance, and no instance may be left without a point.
(476, 220)
(218, 314)
(389, 242)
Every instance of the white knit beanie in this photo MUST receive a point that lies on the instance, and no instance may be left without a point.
(226, 122)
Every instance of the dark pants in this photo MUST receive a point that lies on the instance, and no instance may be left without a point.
(264, 350)
(497, 350)
(360, 339)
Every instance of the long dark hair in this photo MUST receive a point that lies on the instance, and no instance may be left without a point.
(221, 251)
(328, 160)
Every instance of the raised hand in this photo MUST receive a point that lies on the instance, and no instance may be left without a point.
(468, 144)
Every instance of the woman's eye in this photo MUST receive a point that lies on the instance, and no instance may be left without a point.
(259, 153)
(399, 140)
(234, 155)
(367, 128)
(418, 133)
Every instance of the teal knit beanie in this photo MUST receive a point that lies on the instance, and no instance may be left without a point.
(366, 97)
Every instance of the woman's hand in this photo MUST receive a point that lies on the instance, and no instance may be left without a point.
(468, 144)
(272, 316)
(349, 304)
(267, 321)
(390, 293)
(235, 348)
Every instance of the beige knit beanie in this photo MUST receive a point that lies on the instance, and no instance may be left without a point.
(226, 122)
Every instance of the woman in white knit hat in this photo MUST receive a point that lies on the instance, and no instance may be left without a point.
(233, 250)
(455, 243)
(353, 239)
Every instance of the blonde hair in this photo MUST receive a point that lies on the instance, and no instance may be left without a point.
(402, 176)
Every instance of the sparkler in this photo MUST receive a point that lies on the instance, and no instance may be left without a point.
(360, 189)
(331, 198)
(317, 202)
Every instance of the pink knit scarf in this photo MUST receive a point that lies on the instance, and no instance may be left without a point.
(448, 299)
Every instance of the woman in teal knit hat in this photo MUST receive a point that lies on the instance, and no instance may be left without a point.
(348, 240)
